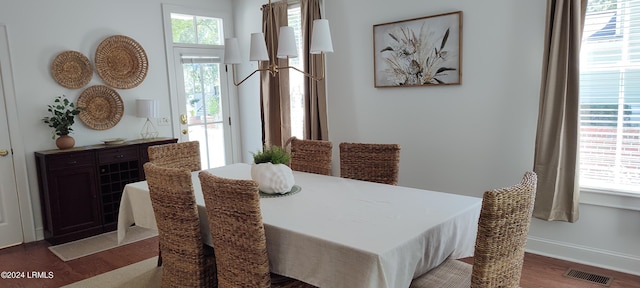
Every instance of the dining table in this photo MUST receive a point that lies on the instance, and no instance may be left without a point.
(339, 232)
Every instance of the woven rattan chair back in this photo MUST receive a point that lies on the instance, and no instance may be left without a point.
(502, 234)
(313, 156)
(233, 208)
(185, 261)
(370, 162)
(499, 253)
(184, 155)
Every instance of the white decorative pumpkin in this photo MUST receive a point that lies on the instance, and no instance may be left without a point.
(272, 178)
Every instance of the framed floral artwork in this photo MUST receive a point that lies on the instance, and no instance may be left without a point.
(418, 52)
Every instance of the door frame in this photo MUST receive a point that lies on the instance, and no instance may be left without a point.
(234, 111)
(15, 138)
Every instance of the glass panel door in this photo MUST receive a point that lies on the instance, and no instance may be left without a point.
(203, 104)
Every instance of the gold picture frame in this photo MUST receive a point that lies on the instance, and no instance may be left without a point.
(424, 51)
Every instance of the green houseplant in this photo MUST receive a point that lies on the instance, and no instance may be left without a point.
(63, 113)
(270, 170)
(273, 154)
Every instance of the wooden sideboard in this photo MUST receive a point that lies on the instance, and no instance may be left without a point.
(80, 188)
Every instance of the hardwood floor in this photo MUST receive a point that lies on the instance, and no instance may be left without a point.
(545, 272)
(35, 256)
(538, 271)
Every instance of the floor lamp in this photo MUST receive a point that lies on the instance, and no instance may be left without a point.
(147, 108)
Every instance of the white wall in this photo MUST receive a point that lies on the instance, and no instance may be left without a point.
(40, 29)
(463, 139)
(248, 19)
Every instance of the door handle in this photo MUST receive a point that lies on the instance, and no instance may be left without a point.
(4, 152)
(185, 131)
(183, 119)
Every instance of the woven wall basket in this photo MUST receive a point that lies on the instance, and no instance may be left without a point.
(101, 106)
(121, 62)
(71, 69)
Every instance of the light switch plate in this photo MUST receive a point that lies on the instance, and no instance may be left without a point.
(163, 121)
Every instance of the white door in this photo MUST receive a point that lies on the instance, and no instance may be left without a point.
(203, 104)
(10, 222)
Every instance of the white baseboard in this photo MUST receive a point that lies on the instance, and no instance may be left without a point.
(39, 233)
(625, 263)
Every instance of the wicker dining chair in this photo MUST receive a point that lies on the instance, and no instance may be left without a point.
(313, 156)
(502, 235)
(235, 219)
(187, 262)
(185, 155)
(370, 162)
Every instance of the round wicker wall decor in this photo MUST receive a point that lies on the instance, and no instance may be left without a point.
(101, 106)
(71, 69)
(121, 62)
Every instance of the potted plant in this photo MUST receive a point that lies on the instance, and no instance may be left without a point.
(62, 117)
(270, 170)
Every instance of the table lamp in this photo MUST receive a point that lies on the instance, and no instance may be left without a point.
(147, 108)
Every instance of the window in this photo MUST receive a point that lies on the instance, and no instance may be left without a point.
(191, 29)
(610, 96)
(295, 78)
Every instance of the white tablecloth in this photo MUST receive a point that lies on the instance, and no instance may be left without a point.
(340, 232)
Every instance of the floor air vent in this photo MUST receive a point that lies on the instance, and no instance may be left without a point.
(589, 277)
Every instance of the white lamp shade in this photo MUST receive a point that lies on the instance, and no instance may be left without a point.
(147, 108)
(321, 37)
(258, 48)
(231, 51)
(287, 43)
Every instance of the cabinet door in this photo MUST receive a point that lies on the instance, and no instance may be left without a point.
(73, 200)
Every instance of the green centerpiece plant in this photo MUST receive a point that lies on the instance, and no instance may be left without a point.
(270, 170)
(273, 154)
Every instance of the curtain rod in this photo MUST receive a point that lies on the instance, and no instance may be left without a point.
(287, 1)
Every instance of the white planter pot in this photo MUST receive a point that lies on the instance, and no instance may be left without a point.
(272, 178)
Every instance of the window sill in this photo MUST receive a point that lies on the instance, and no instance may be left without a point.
(620, 200)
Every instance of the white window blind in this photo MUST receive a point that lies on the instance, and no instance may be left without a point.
(296, 80)
(610, 96)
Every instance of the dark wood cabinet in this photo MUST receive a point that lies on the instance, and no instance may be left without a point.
(80, 188)
(71, 202)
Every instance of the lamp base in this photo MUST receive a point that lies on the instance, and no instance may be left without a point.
(148, 130)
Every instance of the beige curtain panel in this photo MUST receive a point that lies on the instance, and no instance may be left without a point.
(315, 94)
(556, 157)
(274, 90)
